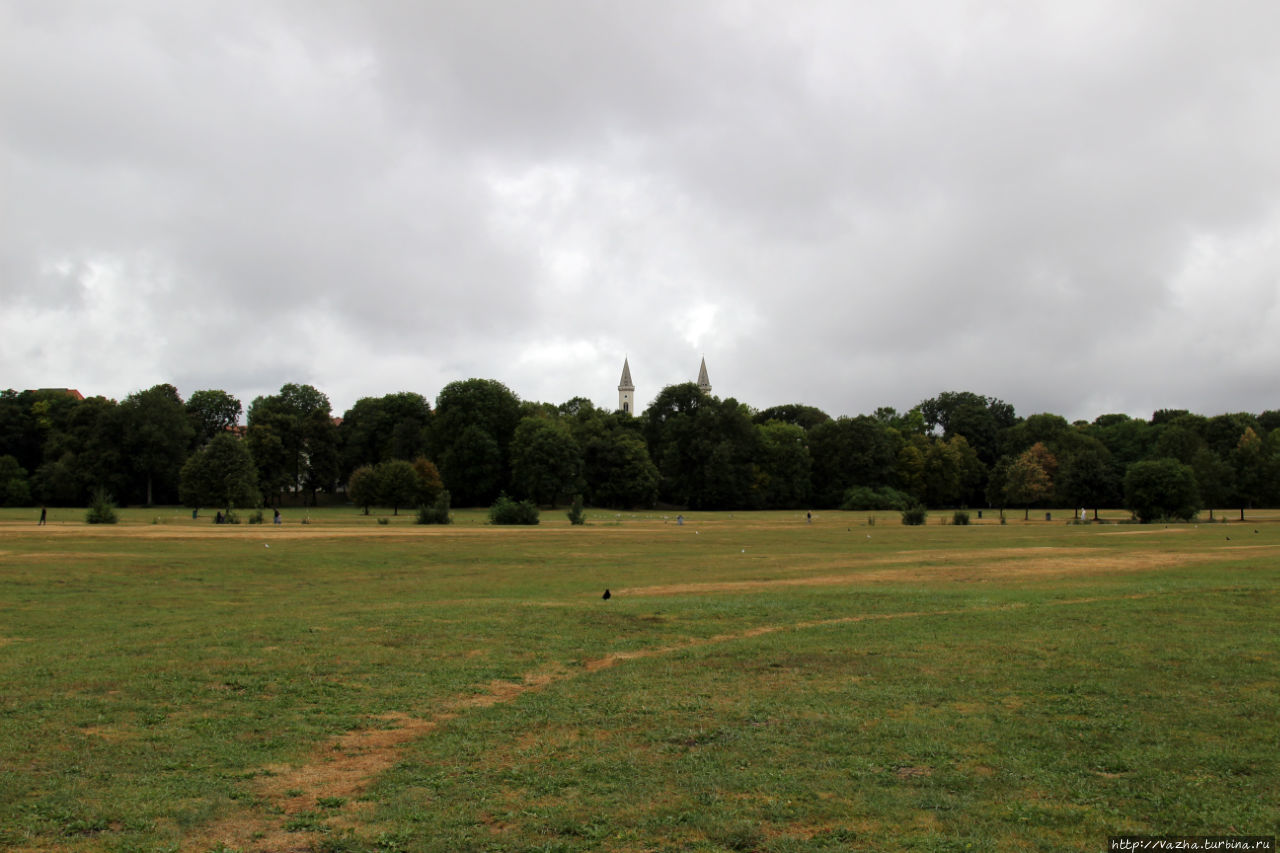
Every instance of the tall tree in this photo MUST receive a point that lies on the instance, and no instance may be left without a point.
(805, 417)
(1161, 488)
(546, 463)
(212, 412)
(375, 429)
(1249, 465)
(784, 468)
(397, 483)
(471, 434)
(1028, 479)
(952, 471)
(472, 467)
(619, 472)
(220, 474)
(157, 436)
(294, 440)
(981, 420)
(847, 452)
(1087, 479)
(363, 488)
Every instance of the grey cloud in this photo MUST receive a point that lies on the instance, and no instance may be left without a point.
(848, 205)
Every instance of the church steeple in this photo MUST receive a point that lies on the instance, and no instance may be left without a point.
(626, 391)
(704, 384)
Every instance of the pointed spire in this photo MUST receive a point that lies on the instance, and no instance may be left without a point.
(625, 383)
(704, 383)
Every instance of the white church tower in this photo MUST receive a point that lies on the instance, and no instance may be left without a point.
(704, 384)
(626, 391)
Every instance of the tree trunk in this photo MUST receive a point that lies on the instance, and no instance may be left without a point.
(149, 493)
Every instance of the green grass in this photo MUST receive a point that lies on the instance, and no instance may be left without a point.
(773, 685)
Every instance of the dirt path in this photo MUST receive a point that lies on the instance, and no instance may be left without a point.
(345, 766)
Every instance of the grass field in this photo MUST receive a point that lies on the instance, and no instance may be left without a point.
(755, 683)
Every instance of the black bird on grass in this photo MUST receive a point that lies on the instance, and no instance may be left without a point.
(607, 595)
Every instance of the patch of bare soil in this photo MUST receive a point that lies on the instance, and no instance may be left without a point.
(999, 565)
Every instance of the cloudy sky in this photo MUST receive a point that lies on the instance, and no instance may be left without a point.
(1073, 206)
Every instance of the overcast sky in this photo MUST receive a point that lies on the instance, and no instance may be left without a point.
(1072, 206)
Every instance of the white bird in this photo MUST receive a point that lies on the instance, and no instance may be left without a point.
(265, 545)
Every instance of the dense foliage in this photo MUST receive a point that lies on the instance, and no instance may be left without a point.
(688, 449)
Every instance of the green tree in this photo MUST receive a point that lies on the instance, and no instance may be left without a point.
(546, 462)
(951, 471)
(1249, 466)
(784, 467)
(848, 452)
(294, 441)
(158, 435)
(363, 488)
(220, 474)
(805, 417)
(429, 484)
(20, 432)
(704, 447)
(1161, 488)
(1215, 479)
(212, 412)
(472, 466)
(397, 484)
(1127, 439)
(471, 435)
(619, 472)
(14, 488)
(1087, 479)
(1027, 480)
(375, 429)
(981, 420)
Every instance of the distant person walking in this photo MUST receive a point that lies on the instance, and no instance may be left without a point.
(44, 515)
(276, 517)
(808, 518)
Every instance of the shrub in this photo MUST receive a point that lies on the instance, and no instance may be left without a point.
(231, 517)
(255, 517)
(437, 512)
(382, 519)
(860, 498)
(914, 514)
(576, 514)
(101, 509)
(507, 511)
(961, 517)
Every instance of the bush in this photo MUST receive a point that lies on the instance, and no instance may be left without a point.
(101, 509)
(437, 512)
(382, 519)
(576, 514)
(961, 517)
(507, 511)
(861, 498)
(255, 517)
(231, 517)
(914, 514)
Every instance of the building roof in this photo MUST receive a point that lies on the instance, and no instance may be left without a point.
(70, 392)
(624, 384)
(704, 383)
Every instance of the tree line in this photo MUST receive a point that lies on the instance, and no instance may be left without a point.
(687, 449)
